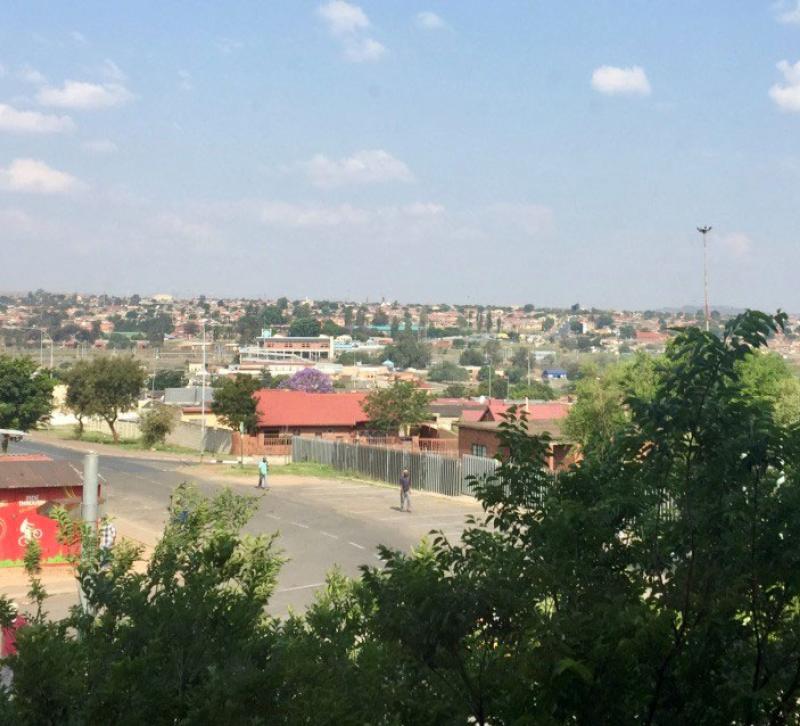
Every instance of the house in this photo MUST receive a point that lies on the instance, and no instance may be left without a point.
(554, 374)
(297, 412)
(189, 401)
(30, 486)
(482, 438)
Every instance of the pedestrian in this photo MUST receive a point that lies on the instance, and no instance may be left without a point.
(405, 491)
(108, 536)
(263, 470)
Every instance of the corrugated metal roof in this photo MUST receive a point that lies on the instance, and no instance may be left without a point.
(18, 473)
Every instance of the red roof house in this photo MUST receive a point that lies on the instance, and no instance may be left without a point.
(298, 412)
(549, 411)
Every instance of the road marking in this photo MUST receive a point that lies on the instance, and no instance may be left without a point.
(355, 544)
(301, 587)
(299, 524)
(328, 534)
(272, 516)
(434, 517)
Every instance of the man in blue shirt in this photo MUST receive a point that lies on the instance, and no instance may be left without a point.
(263, 470)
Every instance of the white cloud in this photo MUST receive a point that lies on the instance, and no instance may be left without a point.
(343, 18)
(429, 21)
(100, 146)
(370, 166)
(363, 50)
(348, 23)
(787, 94)
(111, 70)
(80, 94)
(736, 245)
(423, 209)
(2, 70)
(29, 74)
(226, 46)
(185, 82)
(332, 216)
(31, 175)
(78, 37)
(529, 219)
(790, 17)
(284, 214)
(32, 122)
(621, 81)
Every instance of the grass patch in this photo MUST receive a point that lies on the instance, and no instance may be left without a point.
(303, 468)
(68, 433)
(57, 560)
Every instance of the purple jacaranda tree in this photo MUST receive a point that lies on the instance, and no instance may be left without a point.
(309, 380)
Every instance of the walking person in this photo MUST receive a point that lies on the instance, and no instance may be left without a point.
(263, 470)
(108, 537)
(405, 491)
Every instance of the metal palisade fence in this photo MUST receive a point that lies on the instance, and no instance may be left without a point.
(429, 472)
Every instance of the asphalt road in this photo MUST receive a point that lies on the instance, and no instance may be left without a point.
(321, 523)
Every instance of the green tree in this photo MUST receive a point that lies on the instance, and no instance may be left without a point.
(114, 385)
(447, 371)
(537, 390)
(80, 398)
(490, 384)
(397, 408)
(26, 395)
(305, 328)
(169, 378)
(408, 352)
(457, 390)
(471, 357)
(627, 331)
(235, 403)
(156, 424)
(768, 378)
(142, 653)
(600, 411)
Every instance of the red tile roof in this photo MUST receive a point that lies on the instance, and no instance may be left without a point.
(290, 409)
(536, 411)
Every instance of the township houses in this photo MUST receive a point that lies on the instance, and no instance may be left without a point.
(285, 355)
(30, 486)
(481, 437)
(298, 413)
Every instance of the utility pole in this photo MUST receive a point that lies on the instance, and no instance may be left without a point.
(704, 231)
(203, 397)
(88, 513)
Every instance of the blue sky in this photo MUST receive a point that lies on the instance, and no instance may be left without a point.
(500, 152)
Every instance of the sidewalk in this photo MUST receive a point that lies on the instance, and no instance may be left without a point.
(43, 437)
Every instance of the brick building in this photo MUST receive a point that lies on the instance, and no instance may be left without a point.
(481, 438)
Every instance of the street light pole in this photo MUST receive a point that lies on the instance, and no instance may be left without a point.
(203, 397)
(704, 231)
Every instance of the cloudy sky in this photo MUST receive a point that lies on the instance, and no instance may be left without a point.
(513, 151)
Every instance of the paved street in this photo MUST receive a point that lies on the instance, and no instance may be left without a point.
(321, 522)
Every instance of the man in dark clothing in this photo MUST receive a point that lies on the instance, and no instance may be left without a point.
(405, 491)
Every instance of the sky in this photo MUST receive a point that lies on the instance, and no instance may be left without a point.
(508, 152)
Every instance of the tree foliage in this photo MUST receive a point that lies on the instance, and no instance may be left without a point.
(408, 352)
(309, 380)
(600, 411)
(235, 404)
(26, 394)
(156, 424)
(657, 583)
(305, 328)
(104, 387)
(446, 372)
(396, 408)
